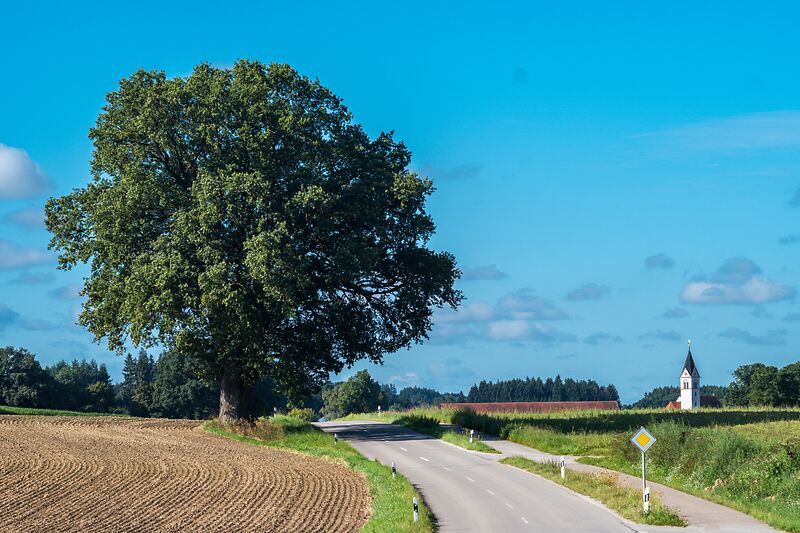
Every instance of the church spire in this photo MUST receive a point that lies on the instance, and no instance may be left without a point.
(689, 365)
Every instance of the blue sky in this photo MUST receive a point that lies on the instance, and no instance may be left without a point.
(611, 181)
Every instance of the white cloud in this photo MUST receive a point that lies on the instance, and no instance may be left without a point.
(68, 292)
(588, 291)
(29, 218)
(488, 272)
(404, 380)
(737, 281)
(774, 129)
(471, 312)
(15, 256)
(676, 312)
(515, 317)
(775, 337)
(523, 304)
(20, 176)
(659, 261)
(521, 330)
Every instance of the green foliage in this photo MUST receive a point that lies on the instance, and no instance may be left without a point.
(501, 424)
(761, 385)
(23, 383)
(178, 392)
(135, 393)
(661, 396)
(390, 498)
(536, 390)
(305, 414)
(358, 394)
(32, 411)
(81, 386)
(239, 215)
(605, 489)
(410, 397)
(752, 467)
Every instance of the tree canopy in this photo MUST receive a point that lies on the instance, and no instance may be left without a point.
(239, 215)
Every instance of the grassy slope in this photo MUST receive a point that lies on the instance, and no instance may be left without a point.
(8, 410)
(604, 488)
(391, 500)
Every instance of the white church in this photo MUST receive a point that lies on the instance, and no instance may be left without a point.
(689, 384)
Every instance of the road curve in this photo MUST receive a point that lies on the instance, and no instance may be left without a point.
(469, 491)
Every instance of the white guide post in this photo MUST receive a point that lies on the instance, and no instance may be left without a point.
(416, 510)
(642, 439)
(563, 464)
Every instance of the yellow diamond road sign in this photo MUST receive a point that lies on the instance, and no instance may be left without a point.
(643, 439)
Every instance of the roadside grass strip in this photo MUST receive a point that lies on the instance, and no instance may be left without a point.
(605, 489)
(33, 411)
(391, 499)
(430, 426)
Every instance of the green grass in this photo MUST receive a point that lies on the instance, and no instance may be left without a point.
(431, 426)
(754, 468)
(745, 458)
(426, 421)
(8, 410)
(573, 443)
(391, 499)
(605, 489)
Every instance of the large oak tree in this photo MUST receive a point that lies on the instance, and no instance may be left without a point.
(240, 216)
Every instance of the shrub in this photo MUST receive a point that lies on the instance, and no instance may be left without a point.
(306, 414)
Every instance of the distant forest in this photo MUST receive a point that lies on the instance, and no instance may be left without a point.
(536, 390)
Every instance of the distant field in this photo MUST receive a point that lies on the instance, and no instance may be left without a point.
(110, 473)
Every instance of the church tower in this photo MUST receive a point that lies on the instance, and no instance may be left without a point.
(690, 383)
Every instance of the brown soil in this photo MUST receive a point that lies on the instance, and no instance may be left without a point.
(118, 474)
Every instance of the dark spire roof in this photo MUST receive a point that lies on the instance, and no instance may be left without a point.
(689, 363)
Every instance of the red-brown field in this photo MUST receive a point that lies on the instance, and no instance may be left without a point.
(118, 474)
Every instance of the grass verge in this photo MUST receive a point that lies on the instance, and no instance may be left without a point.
(391, 499)
(32, 411)
(431, 426)
(605, 489)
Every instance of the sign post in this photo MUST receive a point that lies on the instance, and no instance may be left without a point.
(642, 439)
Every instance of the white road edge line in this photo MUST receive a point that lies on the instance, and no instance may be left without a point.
(509, 505)
(490, 492)
(403, 449)
(470, 479)
(446, 468)
(426, 460)
(524, 520)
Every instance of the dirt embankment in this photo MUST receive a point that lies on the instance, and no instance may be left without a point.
(116, 474)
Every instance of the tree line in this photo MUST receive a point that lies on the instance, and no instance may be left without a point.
(753, 385)
(167, 387)
(536, 390)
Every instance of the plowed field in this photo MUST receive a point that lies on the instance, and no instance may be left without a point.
(117, 474)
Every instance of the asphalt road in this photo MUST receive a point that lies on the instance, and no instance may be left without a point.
(468, 491)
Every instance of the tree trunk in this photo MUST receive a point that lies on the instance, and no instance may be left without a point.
(232, 397)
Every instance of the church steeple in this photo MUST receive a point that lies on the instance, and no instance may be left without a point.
(690, 382)
(689, 365)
